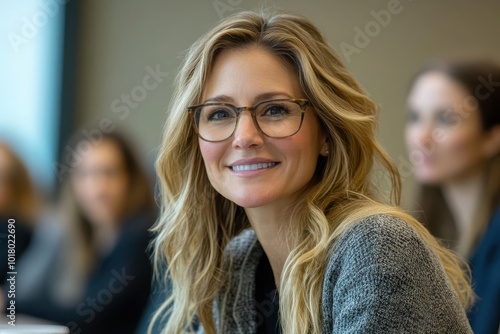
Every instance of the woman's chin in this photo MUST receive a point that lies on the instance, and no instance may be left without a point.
(429, 179)
(250, 200)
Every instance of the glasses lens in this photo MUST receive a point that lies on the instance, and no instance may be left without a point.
(215, 122)
(279, 118)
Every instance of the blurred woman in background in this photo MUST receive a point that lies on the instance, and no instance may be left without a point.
(97, 277)
(17, 201)
(453, 137)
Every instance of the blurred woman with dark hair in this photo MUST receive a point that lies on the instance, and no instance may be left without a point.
(98, 277)
(453, 137)
(18, 201)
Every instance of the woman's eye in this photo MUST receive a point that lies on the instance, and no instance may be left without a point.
(218, 115)
(412, 117)
(447, 118)
(276, 111)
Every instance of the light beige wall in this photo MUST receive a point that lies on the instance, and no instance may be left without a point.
(119, 39)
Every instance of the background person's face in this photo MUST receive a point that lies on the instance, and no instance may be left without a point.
(241, 76)
(444, 137)
(5, 181)
(100, 183)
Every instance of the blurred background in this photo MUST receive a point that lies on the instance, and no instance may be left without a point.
(90, 68)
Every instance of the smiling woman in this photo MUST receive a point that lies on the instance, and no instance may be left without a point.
(289, 144)
(270, 220)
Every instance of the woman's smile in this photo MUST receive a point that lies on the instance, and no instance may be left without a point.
(252, 166)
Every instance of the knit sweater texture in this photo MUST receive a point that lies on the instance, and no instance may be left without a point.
(381, 277)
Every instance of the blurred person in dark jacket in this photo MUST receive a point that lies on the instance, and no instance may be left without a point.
(90, 270)
(453, 138)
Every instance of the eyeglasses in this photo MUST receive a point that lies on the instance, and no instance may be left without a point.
(279, 118)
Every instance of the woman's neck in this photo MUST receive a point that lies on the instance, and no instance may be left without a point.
(463, 198)
(105, 235)
(271, 233)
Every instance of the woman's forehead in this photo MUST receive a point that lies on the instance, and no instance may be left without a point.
(245, 74)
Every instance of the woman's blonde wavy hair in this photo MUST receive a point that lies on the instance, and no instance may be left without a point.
(197, 223)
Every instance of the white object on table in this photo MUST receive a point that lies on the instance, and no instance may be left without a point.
(33, 329)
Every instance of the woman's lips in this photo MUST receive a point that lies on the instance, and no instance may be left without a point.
(252, 166)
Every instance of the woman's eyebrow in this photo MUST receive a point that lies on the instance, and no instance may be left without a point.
(260, 97)
(219, 98)
(271, 95)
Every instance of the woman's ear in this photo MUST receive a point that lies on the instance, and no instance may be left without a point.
(491, 146)
(325, 146)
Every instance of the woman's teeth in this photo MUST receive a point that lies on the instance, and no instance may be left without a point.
(253, 166)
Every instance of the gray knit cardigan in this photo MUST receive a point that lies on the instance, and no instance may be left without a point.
(381, 278)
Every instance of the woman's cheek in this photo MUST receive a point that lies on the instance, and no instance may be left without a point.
(461, 151)
(213, 154)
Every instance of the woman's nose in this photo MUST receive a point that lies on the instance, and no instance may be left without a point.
(425, 136)
(246, 134)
